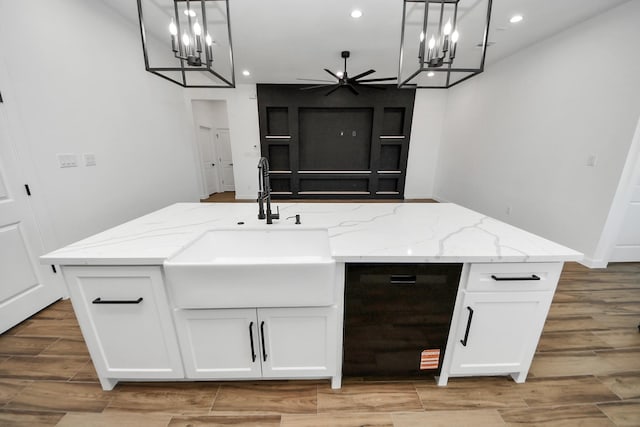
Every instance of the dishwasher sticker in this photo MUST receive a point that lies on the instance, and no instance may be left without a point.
(430, 359)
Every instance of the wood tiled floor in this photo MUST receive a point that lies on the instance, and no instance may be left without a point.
(586, 373)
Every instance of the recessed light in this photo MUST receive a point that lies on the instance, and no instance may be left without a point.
(246, 73)
(516, 18)
(356, 13)
(431, 74)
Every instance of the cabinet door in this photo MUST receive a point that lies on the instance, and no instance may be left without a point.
(126, 321)
(219, 343)
(298, 342)
(501, 332)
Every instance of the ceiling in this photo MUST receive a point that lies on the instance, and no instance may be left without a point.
(282, 41)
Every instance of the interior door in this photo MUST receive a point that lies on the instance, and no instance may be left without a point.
(223, 147)
(627, 247)
(209, 160)
(25, 286)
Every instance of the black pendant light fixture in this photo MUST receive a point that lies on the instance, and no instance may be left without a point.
(443, 42)
(188, 42)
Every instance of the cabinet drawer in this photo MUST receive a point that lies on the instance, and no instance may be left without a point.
(532, 276)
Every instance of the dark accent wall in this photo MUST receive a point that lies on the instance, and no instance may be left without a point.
(337, 146)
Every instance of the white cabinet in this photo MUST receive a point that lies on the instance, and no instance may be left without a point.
(500, 332)
(298, 342)
(258, 343)
(219, 344)
(499, 316)
(126, 322)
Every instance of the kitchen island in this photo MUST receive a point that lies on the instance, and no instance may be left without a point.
(138, 326)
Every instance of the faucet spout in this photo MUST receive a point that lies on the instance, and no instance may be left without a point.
(264, 192)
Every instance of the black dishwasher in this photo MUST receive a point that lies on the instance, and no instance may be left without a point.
(397, 318)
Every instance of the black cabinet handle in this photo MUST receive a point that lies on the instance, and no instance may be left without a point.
(403, 279)
(532, 277)
(264, 350)
(466, 333)
(253, 350)
(115, 301)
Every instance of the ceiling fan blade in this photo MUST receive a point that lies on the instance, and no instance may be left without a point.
(316, 80)
(373, 86)
(331, 72)
(352, 89)
(315, 87)
(366, 73)
(381, 79)
(332, 90)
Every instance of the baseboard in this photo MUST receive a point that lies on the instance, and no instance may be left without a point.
(440, 199)
(593, 263)
(415, 196)
(245, 196)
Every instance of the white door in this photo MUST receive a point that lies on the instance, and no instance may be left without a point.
(627, 246)
(223, 147)
(209, 160)
(298, 342)
(25, 286)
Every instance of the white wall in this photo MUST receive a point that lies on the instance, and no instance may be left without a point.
(77, 84)
(426, 135)
(242, 111)
(520, 134)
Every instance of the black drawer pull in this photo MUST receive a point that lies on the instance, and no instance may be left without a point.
(532, 277)
(466, 332)
(264, 350)
(253, 350)
(403, 279)
(115, 301)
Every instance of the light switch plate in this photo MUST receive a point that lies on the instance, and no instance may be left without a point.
(68, 160)
(89, 159)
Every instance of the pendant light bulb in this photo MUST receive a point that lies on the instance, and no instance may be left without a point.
(185, 39)
(197, 29)
(455, 36)
(432, 42)
(208, 39)
(421, 36)
(173, 30)
(447, 28)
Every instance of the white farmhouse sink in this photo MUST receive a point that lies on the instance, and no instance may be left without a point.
(253, 268)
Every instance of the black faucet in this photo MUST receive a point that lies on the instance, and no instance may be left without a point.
(264, 192)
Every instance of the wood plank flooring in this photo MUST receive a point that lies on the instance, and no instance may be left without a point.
(586, 373)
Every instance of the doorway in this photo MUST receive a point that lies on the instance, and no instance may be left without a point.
(213, 146)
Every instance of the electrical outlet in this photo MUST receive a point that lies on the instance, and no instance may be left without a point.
(89, 159)
(68, 160)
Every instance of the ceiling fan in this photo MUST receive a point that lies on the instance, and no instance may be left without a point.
(349, 82)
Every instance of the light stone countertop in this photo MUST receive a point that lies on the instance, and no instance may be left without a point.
(358, 232)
